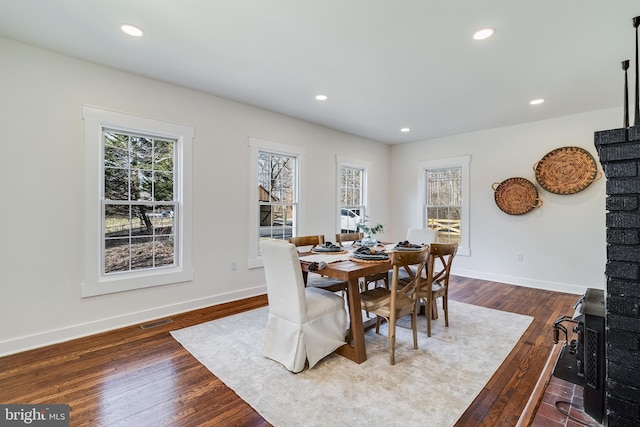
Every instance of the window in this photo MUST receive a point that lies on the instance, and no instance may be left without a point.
(351, 192)
(444, 195)
(275, 183)
(139, 205)
(137, 217)
(277, 194)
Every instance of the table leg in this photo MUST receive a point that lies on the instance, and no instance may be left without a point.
(355, 348)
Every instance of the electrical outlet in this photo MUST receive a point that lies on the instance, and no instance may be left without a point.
(234, 265)
(520, 256)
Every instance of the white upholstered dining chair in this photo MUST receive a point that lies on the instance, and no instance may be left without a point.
(422, 236)
(304, 323)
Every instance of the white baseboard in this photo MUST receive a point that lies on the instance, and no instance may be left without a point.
(55, 336)
(523, 281)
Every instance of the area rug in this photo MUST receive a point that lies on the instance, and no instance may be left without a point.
(431, 386)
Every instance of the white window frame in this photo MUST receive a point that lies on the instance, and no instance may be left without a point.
(255, 146)
(356, 164)
(95, 281)
(464, 163)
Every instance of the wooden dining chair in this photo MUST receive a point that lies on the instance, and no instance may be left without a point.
(313, 279)
(420, 236)
(398, 301)
(436, 284)
(307, 242)
(371, 278)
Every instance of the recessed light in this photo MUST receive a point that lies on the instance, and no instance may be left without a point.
(405, 130)
(321, 97)
(536, 101)
(485, 33)
(132, 30)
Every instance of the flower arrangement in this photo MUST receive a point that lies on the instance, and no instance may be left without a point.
(369, 231)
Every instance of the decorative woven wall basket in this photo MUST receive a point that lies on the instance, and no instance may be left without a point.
(516, 196)
(566, 170)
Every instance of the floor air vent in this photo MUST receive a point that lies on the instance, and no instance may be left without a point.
(155, 324)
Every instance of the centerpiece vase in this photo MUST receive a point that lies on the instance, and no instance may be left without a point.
(369, 241)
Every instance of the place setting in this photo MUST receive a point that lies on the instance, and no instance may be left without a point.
(328, 248)
(406, 246)
(365, 254)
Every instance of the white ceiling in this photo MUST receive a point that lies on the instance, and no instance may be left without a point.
(384, 64)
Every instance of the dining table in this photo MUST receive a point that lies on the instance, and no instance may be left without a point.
(344, 267)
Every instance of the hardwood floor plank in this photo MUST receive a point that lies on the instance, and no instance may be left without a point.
(506, 394)
(132, 376)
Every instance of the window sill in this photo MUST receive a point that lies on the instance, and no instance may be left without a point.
(128, 282)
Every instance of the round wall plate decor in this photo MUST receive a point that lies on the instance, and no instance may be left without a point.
(516, 196)
(566, 170)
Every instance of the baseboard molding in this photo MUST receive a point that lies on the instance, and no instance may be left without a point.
(523, 281)
(55, 336)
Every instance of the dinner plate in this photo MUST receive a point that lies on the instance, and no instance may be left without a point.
(376, 257)
(325, 250)
(405, 249)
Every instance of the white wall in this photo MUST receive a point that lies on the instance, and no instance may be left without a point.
(42, 171)
(563, 242)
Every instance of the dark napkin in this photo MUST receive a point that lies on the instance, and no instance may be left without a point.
(327, 247)
(407, 244)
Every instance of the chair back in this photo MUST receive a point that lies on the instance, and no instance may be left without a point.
(304, 241)
(423, 236)
(406, 260)
(285, 285)
(348, 237)
(439, 265)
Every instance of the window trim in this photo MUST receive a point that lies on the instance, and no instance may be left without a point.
(255, 146)
(95, 282)
(355, 164)
(463, 162)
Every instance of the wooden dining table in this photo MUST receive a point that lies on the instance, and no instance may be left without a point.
(351, 271)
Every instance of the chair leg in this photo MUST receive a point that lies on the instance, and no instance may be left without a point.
(414, 326)
(445, 307)
(392, 341)
(427, 313)
(377, 324)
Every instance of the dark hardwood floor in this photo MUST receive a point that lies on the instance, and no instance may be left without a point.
(136, 377)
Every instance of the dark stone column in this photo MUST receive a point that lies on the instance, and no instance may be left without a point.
(619, 152)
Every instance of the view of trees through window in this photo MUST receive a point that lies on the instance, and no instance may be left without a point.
(444, 202)
(351, 198)
(277, 194)
(139, 204)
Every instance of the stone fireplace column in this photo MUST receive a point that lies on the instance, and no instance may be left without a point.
(619, 152)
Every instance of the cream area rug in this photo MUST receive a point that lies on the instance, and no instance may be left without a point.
(431, 386)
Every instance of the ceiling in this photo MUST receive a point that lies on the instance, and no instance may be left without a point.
(383, 64)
